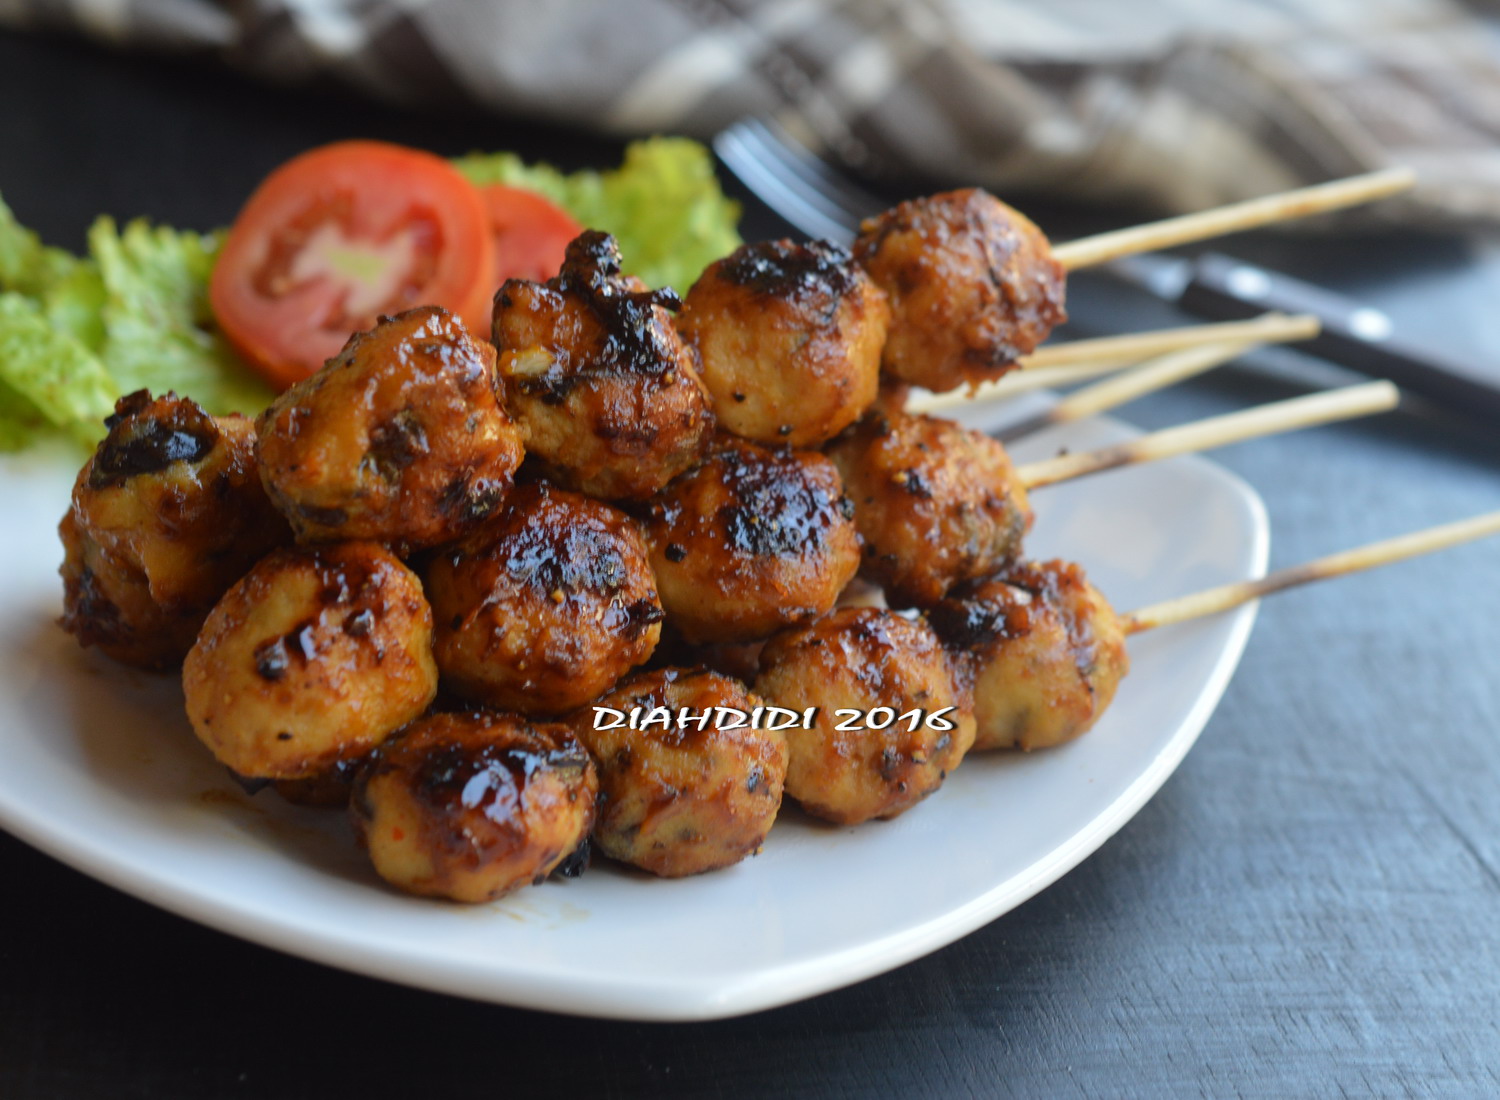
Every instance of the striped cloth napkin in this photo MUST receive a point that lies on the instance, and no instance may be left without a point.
(1167, 104)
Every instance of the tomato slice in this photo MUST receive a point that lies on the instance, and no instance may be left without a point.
(339, 235)
(531, 233)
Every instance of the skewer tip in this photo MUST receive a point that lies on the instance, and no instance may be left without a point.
(1228, 596)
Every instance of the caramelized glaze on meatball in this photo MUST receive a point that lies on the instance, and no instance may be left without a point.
(751, 541)
(546, 605)
(972, 286)
(608, 392)
(935, 503)
(1044, 649)
(857, 660)
(400, 438)
(679, 800)
(166, 515)
(472, 806)
(315, 656)
(790, 337)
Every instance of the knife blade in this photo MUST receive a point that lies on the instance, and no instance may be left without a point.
(1355, 335)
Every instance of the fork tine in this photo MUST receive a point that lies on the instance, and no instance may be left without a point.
(792, 182)
(824, 178)
(761, 170)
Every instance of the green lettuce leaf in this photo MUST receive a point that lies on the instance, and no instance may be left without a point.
(158, 327)
(74, 304)
(48, 375)
(663, 204)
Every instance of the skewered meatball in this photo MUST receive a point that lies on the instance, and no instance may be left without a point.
(545, 606)
(751, 541)
(935, 503)
(972, 285)
(167, 514)
(687, 797)
(790, 338)
(887, 681)
(1045, 650)
(314, 657)
(609, 393)
(471, 806)
(400, 438)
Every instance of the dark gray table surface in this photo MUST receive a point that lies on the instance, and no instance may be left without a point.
(1310, 906)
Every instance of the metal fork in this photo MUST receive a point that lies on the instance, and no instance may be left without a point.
(798, 185)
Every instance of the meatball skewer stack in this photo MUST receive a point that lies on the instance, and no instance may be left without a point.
(426, 552)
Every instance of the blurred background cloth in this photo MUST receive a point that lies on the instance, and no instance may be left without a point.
(1166, 104)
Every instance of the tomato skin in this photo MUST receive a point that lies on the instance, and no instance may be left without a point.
(277, 288)
(531, 233)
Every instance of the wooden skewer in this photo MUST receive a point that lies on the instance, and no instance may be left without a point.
(1135, 347)
(1234, 217)
(1214, 600)
(1218, 431)
(1081, 360)
(1016, 383)
(1150, 376)
(1126, 385)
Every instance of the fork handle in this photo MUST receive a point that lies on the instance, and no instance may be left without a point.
(1353, 335)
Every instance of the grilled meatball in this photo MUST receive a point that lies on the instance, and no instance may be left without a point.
(1044, 649)
(167, 514)
(609, 393)
(972, 286)
(907, 723)
(935, 503)
(687, 797)
(790, 338)
(751, 541)
(314, 657)
(400, 438)
(472, 806)
(545, 606)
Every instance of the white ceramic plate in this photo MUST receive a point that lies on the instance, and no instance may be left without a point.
(101, 770)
